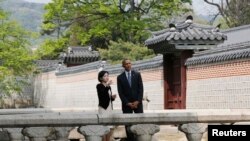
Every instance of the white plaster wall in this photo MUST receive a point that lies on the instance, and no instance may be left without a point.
(219, 93)
(154, 91)
(65, 91)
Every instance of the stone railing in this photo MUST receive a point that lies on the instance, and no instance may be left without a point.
(46, 125)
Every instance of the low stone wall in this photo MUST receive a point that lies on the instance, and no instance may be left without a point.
(44, 118)
(49, 124)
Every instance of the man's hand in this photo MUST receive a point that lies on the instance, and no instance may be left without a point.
(131, 105)
(135, 103)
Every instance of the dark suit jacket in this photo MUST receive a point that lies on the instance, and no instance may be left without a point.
(130, 94)
(103, 96)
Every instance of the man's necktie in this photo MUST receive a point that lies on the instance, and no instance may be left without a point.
(129, 78)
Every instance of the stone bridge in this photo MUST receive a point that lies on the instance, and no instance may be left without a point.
(55, 124)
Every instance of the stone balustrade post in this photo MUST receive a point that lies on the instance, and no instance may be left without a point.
(15, 134)
(144, 132)
(38, 133)
(94, 132)
(62, 133)
(193, 131)
(4, 135)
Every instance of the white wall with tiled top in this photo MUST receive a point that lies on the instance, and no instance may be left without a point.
(223, 92)
(206, 88)
(78, 90)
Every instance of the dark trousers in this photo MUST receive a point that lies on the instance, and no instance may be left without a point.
(127, 110)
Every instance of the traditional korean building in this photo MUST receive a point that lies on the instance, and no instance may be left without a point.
(178, 43)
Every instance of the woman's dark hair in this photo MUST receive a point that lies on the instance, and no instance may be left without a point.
(101, 74)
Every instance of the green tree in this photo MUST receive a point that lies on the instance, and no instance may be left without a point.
(50, 49)
(120, 50)
(234, 12)
(96, 22)
(16, 60)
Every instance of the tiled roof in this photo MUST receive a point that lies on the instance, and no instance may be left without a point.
(114, 69)
(79, 68)
(47, 65)
(155, 62)
(80, 55)
(186, 32)
(221, 53)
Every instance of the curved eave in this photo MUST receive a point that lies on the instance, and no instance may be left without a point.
(79, 58)
(114, 69)
(185, 37)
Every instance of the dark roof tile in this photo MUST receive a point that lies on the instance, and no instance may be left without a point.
(47, 65)
(221, 53)
(186, 31)
(80, 55)
(155, 62)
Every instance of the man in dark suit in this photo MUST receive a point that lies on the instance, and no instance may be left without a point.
(130, 89)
